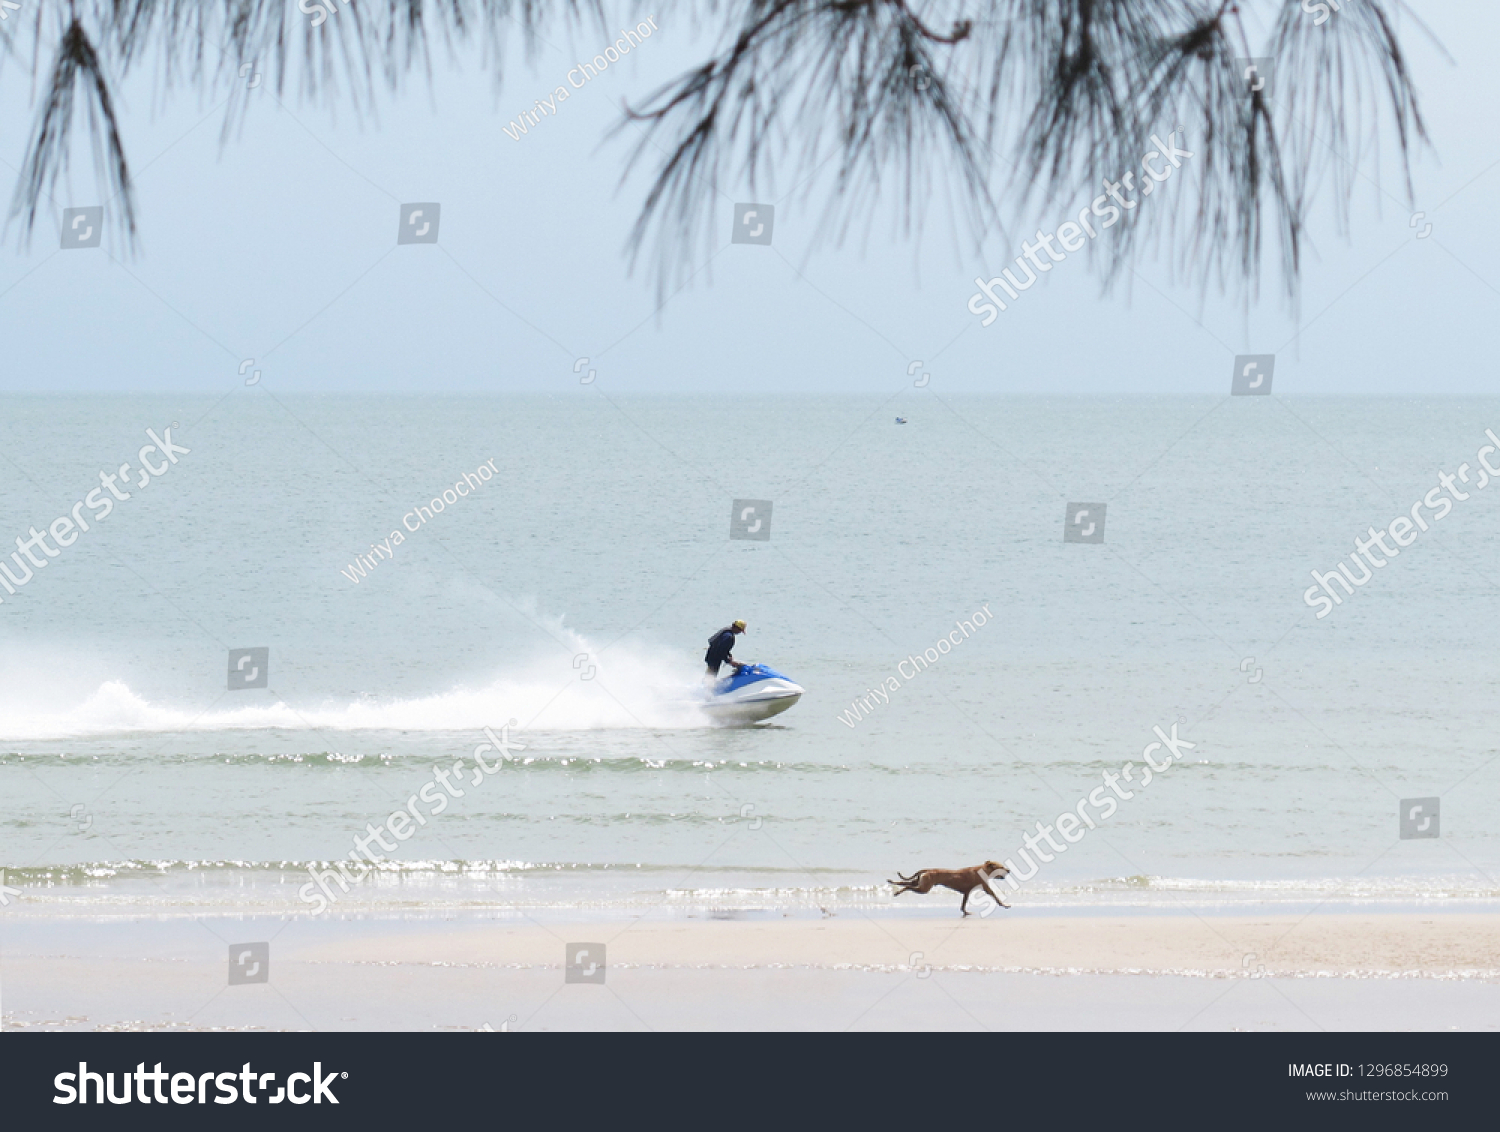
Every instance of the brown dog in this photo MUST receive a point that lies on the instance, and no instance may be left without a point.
(959, 880)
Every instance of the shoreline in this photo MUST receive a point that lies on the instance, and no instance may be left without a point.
(144, 902)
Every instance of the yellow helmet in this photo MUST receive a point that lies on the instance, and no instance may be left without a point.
(740, 625)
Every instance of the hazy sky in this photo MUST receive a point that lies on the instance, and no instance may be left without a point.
(281, 246)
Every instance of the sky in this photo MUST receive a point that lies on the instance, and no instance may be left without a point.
(276, 251)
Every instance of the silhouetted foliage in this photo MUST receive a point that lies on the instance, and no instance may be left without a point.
(1004, 103)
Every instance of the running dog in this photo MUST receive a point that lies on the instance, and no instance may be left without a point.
(959, 880)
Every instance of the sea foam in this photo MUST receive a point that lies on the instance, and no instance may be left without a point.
(575, 691)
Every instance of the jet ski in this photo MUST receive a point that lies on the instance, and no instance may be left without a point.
(752, 694)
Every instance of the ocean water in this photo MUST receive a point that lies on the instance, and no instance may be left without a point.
(573, 593)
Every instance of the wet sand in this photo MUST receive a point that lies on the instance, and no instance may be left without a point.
(1338, 971)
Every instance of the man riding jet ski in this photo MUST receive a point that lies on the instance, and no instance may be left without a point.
(719, 647)
(753, 693)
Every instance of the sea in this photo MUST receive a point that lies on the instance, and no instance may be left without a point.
(151, 767)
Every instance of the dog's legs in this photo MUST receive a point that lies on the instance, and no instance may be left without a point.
(964, 907)
(991, 891)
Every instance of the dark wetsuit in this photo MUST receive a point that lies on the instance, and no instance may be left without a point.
(720, 645)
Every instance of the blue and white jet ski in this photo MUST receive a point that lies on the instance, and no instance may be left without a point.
(752, 694)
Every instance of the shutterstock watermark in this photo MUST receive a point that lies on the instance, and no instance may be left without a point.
(1070, 235)
(318, 12)
(65, 530)
(231, 1086)
(1319, 10)
(865, 705)
(1074, 825)
(403, 824)
(1402, 531)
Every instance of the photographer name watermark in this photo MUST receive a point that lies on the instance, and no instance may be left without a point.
(414, 520)
(865, 705)
(532, 115)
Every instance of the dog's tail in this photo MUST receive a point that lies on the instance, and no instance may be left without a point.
(915, 878)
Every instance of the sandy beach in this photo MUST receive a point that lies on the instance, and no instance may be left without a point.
(1324, 971)
(1212, 946)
